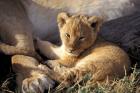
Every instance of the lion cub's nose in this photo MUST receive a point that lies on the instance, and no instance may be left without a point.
(70, 50)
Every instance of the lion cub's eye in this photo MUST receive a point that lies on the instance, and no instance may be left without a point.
(82, 38)
(67, 35)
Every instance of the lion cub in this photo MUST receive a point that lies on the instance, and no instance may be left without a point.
(83, 51)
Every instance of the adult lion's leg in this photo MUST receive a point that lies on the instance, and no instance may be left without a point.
(30, 76)
(16, 38)
(12, 50)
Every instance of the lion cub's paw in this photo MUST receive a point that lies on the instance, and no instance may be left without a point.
(37, 84)
(53, 64)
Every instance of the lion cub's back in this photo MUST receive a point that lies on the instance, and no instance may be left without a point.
(111, 55)
(107, 57)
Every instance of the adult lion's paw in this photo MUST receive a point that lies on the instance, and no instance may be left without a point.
(37, 84)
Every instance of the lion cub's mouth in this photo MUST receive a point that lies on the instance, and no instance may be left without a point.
(73, 53)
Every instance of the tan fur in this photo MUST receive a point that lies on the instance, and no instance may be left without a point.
(20, 19)
(14, 37)
(43, 13)
(30, 76)
(83, 51)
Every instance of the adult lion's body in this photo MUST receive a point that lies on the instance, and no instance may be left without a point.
(43, 13)
(20, 18)
(15, 29)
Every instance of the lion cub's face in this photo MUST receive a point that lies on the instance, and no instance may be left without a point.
(77, 32)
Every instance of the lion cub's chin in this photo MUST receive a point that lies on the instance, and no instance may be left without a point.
(74, 53)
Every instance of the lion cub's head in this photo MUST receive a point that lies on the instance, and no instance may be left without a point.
(78, 32)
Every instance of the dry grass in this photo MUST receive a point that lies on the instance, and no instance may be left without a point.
(8, 85)
(128, 84)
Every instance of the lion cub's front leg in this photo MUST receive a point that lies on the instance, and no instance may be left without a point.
(48, 49)
(30, 77)
(67, 74)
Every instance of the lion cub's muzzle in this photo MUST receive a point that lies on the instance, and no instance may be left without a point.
(73, 52)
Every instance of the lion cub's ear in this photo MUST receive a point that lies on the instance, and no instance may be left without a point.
(61, 19)
(95, 22)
